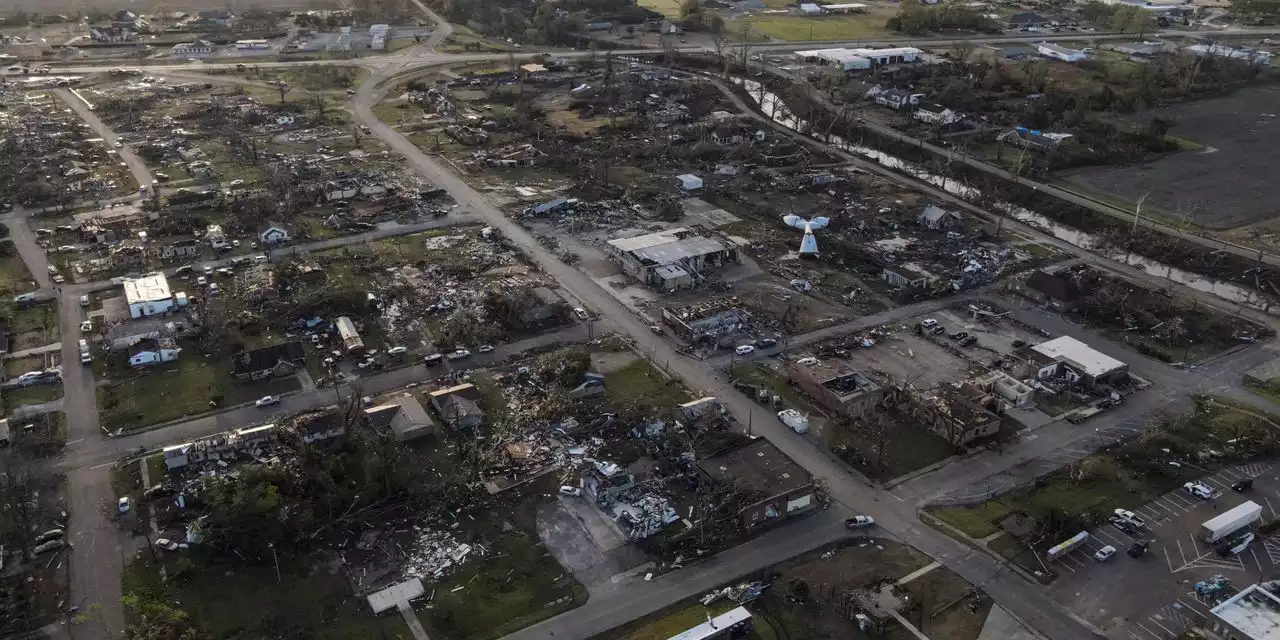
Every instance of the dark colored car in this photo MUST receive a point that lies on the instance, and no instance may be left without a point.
(1243, 484)
(1137, 549)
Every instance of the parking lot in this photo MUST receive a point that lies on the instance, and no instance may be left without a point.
(1153, 597)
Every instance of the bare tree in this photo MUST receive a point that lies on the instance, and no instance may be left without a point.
(18, 504)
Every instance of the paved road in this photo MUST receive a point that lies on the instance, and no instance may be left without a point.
(137, 166)
(899, 519)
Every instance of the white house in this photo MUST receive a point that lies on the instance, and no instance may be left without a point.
(937, 114)
(1252, 56)
(148, 295)
(273, 233)
(112, 34)
(197, 48)
(810, 9)
(689, 182)
(216, 237)
(157, 355)
(896, 99)
(1050, 50)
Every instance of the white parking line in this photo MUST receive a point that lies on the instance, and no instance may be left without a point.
(1155, 635)
(1235, 475)
(1221, 485)
(1269, 507)
(1157, 623)
(1108, 536)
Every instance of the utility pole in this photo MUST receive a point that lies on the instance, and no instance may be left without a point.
(272, 547)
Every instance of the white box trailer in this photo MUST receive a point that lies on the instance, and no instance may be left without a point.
(1063, 548)
(1230, 522)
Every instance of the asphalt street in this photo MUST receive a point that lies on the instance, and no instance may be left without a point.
(100, 551)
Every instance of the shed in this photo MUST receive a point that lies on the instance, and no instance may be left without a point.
(351, 340)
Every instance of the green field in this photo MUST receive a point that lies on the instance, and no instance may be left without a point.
(669, 8)
(801, 28)
(178, 389)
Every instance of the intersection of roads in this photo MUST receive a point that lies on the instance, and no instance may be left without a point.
(100, 550)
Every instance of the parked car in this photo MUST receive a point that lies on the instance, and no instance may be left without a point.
(1131, 517)
(52, 534)
(460, 354)
(397, 351)
(1122, 524)
(201, 281)
(86, 326)
(58, 278)
(928, 323)
(267, 401)
(53, 270)
(84, 301)
(166, 544)
(123, 505)
(858, 522)
(656, 329)
(52, 545)
(485, 348)
(1104, 554)
(1199, 489)
(1138, 548)
(960, 335)
(807, 361)
(938, 330)
(568, 490)
(208, 270)
(766, 343)
(581, 313)
(1243, 484)
(432, 360)
(744, 349)
(968, 341)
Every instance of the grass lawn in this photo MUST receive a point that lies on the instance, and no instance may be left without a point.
(33, 394)
(316, 78)
(841, 27)
(669, 8)
(14, 276)
(640, 384)
(178, 389)
(15, 367)
(34, 326)
(1086, 492)
(764, 376)
(517, 584)
(464, 40)
(242, 601)
(909, 448)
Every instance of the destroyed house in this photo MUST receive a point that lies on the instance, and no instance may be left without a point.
(935, 217)
(457, 406)
(1056, 289)
(258, 283)
(351, 340)
(778, 487)
(671, 259)
(713, 317)
(605, 481)
(1066, 356)
(836, 387)
(265, 362)
(402, 416)
(952, 416)
(322, 427)
(901, 275)
(184, 248)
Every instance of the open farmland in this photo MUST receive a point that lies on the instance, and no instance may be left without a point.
(1224, 185)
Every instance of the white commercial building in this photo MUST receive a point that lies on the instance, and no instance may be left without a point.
(848, 7)
(860, 58)
(1252, 614)
(252, 44)
(809, 8)
(846, 59)
(148, 295)
(1064, 54)
(1090, 365)
(1252, 56)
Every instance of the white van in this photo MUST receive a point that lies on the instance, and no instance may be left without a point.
(85, 356)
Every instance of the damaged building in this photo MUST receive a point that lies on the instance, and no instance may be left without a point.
(714, 318)
(836, 387)
(1066, 357)
(778, 487)
(671, 259)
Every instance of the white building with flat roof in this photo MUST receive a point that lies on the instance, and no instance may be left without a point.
(148, 295)
(1090, 365)
(1252, 614)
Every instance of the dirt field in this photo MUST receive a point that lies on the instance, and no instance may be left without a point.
(1226, 184)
